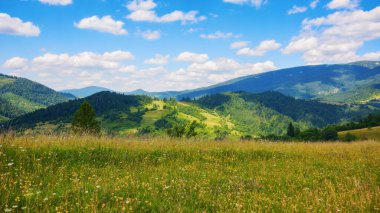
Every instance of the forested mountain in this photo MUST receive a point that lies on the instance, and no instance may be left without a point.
(19, 96)
(354, 82)
(239, 113)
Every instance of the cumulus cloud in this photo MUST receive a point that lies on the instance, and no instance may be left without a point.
(215, 71)
(296, 9)
(143, 10)
(56, 2)
(343, 4)
(254, 3)
(314, 4)
(192, 57)
(239, 44)
(114, 70)
(104, 24)
(150, 34)
(219, 35)
(15, 26)
(336, 38)
(261, 49)
(372, 56)
(65, 70)
(158, 60)
(15, 63)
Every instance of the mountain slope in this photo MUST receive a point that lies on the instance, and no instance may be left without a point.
(19, 96)
(242, 113)
(271, 112)
(309, 82)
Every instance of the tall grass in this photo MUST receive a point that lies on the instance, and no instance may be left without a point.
(68, 173)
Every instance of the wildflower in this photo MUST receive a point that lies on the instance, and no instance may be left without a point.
(14, 206)
(10, 164)
(7, 210)
(45, 199)
(98, 186)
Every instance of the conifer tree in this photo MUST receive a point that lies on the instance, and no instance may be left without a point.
(291, 131)
(84, 120)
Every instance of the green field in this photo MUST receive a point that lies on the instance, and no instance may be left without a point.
(51, 173)
(366, 133)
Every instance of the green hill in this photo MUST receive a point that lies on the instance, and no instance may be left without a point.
(239, 113)
(19, 96)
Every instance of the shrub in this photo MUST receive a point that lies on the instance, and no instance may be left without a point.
(348, 137)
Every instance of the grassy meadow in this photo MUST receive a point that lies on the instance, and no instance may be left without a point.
(372, 133)
(52, 173)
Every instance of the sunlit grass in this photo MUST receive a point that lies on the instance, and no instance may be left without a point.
(367, 133)
(51, 173)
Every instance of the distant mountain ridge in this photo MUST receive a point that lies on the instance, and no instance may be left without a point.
(321, 82)
(86, 91)
(336, 83)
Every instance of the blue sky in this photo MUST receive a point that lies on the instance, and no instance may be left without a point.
(179, 44)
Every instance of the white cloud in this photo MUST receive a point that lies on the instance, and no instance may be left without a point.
(300, 44)
(336, 38)
(215, 71)
(314, 4)
(261, 49)
(56, 2)
(113, 70)
(219, 35)
(192, 57)
(104, 24)
(239, 44)
(295, 9)
(65, 70)
(343, 4)
(372, 56)
(150, 34)
(142, 10)
(141, 5)
(15, 63)
(15, 26)
(158, 60)
(254, 3)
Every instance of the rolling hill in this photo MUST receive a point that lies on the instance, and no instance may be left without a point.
(240, 112)
(19, 96)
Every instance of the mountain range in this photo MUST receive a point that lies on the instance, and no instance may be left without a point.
(354, 83)
(262, 104)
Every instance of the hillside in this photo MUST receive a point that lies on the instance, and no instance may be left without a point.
(19, 96)
(239, 113)
(372, 133)
(339, 82)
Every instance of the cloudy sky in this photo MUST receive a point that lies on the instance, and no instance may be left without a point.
(161, 45)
